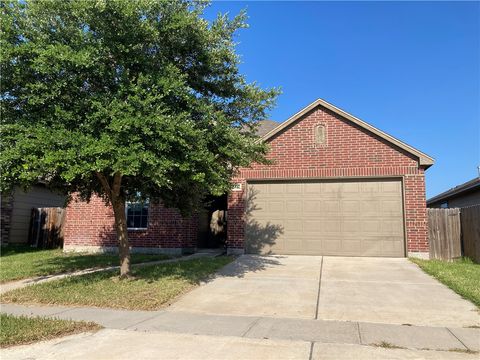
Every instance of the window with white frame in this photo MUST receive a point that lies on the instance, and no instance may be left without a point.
(137, 214)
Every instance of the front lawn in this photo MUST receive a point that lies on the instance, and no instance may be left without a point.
(21, 262)
(18, 330)
(462, 276)
(151, 288)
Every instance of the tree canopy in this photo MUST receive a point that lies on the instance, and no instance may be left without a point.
(119, 98)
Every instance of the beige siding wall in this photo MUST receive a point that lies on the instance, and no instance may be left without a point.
(463, 200)
(23, 203)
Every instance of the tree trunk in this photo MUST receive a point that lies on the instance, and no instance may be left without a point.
(118, 204)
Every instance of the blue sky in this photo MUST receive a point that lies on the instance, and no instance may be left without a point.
(411, 69)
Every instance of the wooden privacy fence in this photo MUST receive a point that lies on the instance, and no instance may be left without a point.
(470, 220)
(46, 227)
(455, 232)
(444, 233)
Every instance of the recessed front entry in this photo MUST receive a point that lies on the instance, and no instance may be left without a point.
(345, 218)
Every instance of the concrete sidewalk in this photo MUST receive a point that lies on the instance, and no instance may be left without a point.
(124, 344)
(46, 278)
(309, 330)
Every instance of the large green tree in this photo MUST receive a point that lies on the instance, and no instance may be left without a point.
(120, 98)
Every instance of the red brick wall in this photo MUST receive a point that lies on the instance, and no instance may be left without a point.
(92, 224)
(349, 151)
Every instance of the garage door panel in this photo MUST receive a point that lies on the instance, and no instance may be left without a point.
(351, 206)
(391, 207)
(312, 188)
(258, 206)
(392, 246)
(369, 207)
(276, 206)
(393, 187)
(278, 188)
(292, 226)
(312, 226)
(331, 226)
(392, 227)
(293, 206)
(294, 244)
(328, 188)
(295, 188)
(332, 246)
(349, 187)
(351, 226)
(346, 218)
(370, 227)
(370, 187)
(352, 246)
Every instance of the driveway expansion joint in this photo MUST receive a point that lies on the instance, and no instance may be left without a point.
(359, 333)
(456, 337)
(319, 287)
(311, 350)
(250, 327)
(129, 327)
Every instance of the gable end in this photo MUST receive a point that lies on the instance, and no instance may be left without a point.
(424, 159)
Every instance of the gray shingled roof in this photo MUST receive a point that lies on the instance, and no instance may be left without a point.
(469, 185)
(265, 126)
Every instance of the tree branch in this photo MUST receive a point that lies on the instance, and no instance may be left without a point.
(106, 186)
(117, 182)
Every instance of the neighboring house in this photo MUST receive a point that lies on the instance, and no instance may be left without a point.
(338, 186)
(16, 210)
(466, 194)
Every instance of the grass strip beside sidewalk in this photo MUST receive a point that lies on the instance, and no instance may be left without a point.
(20, 330)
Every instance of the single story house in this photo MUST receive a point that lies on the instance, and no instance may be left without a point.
(338, 186)
(16, 211)
(466, 194)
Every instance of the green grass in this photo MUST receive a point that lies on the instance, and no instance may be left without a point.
(18, 330)
(462, 276)
(21, 262)
(387, 345)
(150, 288)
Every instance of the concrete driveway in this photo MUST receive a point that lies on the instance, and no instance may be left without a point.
(376, 290)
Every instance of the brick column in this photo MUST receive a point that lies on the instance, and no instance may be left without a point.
(236, 219)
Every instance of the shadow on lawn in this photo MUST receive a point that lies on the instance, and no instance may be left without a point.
(13, 249)
(54, 261)
(73, 262)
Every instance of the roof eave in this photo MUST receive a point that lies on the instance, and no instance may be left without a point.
(454, 192)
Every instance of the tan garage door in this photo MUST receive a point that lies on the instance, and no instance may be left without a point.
(346, 218)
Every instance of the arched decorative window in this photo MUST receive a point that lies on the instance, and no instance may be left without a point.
(320, 134)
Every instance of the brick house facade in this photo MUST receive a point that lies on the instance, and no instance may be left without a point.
(90, 227)
(350, 149)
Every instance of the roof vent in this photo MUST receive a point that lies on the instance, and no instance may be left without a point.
(320, 134)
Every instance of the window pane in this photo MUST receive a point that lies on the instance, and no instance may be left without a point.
(137, 221)
(137, 215)
(144, 222)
